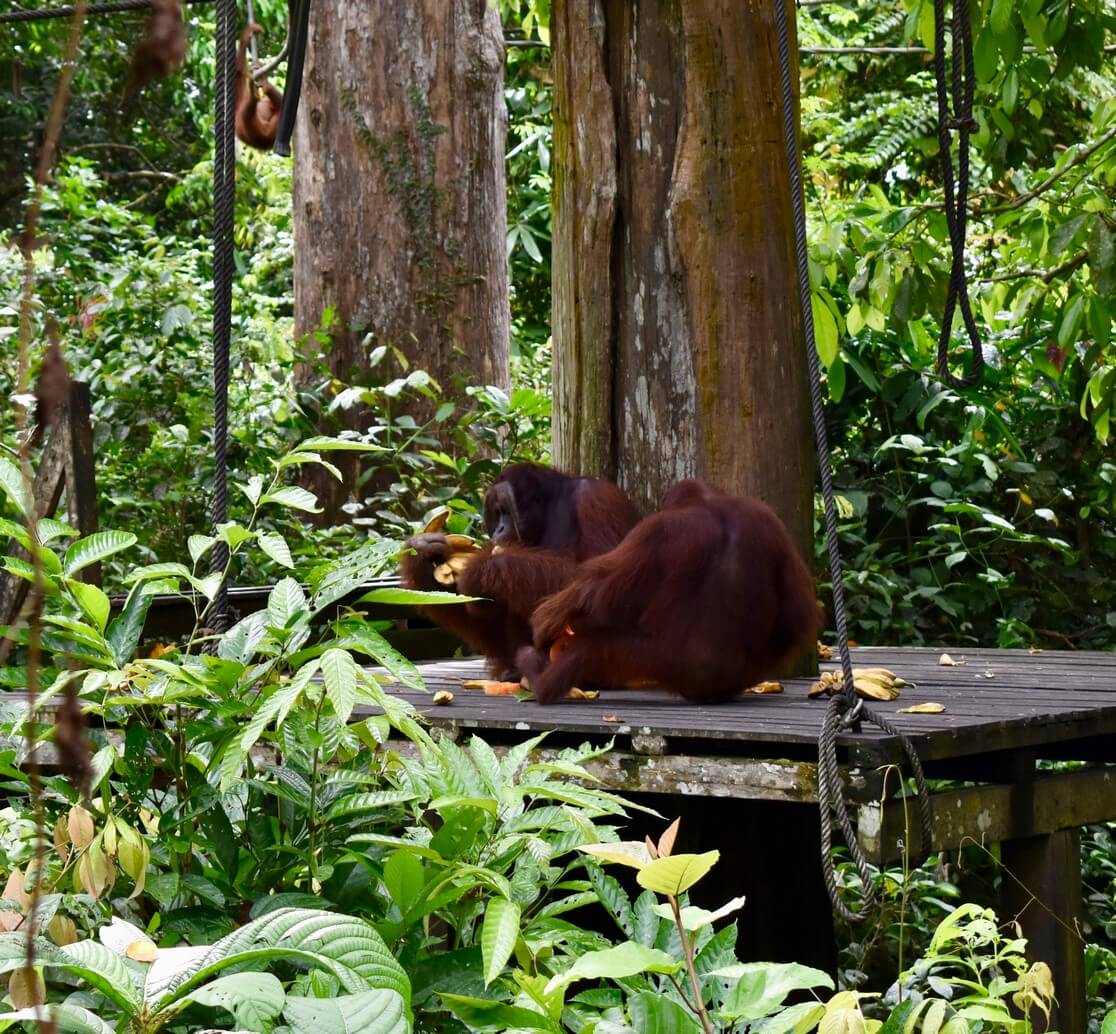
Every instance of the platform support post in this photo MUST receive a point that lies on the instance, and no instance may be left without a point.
(1041, 888)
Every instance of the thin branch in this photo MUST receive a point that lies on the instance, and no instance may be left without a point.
(1020, 200)
(1045, 275)
(140, 174)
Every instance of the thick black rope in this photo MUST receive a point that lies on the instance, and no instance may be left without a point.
(956, 190)
(224, 194)
(113, 7)
(298, 31)
(845, 710)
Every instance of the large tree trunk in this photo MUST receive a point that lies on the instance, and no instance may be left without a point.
(678, 335)
(399, 192)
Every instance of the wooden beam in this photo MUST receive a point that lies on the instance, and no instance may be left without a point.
(1041, 890)
(990, 813)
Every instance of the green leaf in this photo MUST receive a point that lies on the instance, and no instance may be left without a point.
(233, 535)
(404, 877)
(94, 548)
(624, 960)
(340, 674)
(50, 529)
(1011, 90)
(657, 1014)
(1108, 1025)
(369, 1012)
(694, 918)
(761, 987)
(368, 641)
(325, 444)
(15, 531)
(286, 603)
(294, 498)
(93, 602)
(104, 970)
(11, 483)
(1000, 17)
(199, 545)
(372, 800)
(1071, 320)
(676, 874)
(254, 999)
(485, 1015)
(498, 936)
(412, 597)
(67, 1019)
(275, 546)
(825, 330)
(124, 633)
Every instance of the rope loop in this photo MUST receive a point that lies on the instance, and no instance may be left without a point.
(845, 710)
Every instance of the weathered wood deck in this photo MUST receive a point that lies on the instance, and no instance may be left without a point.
(998, 700)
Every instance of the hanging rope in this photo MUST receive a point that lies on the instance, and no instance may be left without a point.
(845, 710)
(956, 190)
(298, 31)
(224, 193)
(112, 7)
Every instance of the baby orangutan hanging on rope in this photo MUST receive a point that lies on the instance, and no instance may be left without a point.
(706, 598)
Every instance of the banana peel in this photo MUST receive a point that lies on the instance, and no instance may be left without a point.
(462, 549)
(869, 683)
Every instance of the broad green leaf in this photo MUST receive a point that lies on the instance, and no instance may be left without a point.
(1108, 1026)
(294, 498)
(373, 800)
(498, 936)
(623, 960)
(368, 641)
(1071, 320)
(411, 597)
(50, 529)
(368, 1012)
(15, 531)
(94, 548)
(199, 545)
(11, 483)
(797, 1019)
(485, 1015)
(233, 535)
(104, 970)
(340, 674)
(676, 874)
(404, 877)
(124, 633)
(761, 987)
(275, 546)
(286, 603)
(254, 999)
(153, 572)
(657, 1014)
(694, 918)
(67, 1019)
(93, 602)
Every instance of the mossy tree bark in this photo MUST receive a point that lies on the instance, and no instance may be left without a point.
(678, 332)
(399, 193)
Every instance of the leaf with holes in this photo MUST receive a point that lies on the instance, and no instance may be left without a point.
(286, 603)
(254, 999)
(94, 548)
(498, 936)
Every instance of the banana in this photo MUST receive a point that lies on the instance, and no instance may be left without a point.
(873, 683)
(437, 522)
(461, 543)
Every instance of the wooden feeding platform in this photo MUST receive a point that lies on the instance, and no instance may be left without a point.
(738, 773)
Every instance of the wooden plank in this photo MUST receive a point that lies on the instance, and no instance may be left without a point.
(991, 813)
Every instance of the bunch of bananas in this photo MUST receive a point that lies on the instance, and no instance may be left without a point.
(461, 550)
(872, 683)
